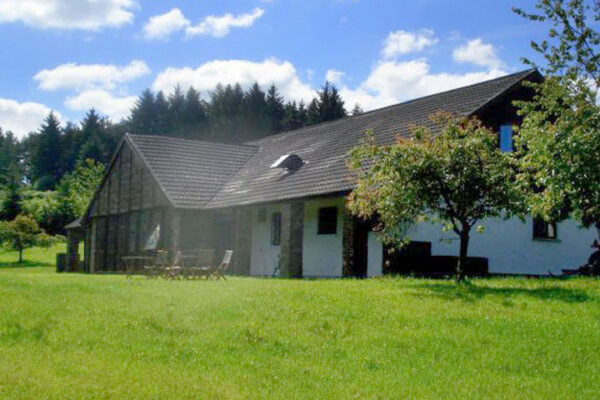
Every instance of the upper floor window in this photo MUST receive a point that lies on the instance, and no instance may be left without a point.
(544, 230)
(327, 221)
(506, 138)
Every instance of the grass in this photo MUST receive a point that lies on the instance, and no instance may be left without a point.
(34, 257)
(71, 336)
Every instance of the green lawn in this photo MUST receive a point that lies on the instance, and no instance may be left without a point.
(88, 336)
(34, 257)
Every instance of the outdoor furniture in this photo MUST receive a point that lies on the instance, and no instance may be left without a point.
(219, 271)
(133, 264)
(159, 262)
(194, 262)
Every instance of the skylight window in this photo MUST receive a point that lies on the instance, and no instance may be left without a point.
(291, 162)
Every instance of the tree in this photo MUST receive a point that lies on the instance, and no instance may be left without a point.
(77, 187)
(11, 206)
(257, 117)
(10, 154)
(276, 109)
(22, 233)
(195, 119)
(559, 140)
(176, 102)
(143, 118)
(46, 162)
(457, 178)
(357, 110)
(331, 105)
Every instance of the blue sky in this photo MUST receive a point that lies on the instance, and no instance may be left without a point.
(69, 55)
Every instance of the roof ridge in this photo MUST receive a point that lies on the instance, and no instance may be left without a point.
(178, 139)
(525, 73)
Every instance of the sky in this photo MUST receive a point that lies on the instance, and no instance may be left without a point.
(72, 55)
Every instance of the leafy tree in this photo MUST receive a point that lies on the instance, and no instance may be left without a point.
(559, 139)
(457, 178)
(77, 187)
(22, 233)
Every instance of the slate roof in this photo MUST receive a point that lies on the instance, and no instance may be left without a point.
(197, 174)
(190, 172)
(325, 147)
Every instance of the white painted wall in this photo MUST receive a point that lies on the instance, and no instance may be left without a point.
(508, 245)
(322, 255)
(510, 248)
(264, 256)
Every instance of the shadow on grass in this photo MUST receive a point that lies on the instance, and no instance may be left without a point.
(25, 264)
(474, 292)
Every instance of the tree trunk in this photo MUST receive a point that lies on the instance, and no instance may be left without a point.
(20, 256)
(462, 258)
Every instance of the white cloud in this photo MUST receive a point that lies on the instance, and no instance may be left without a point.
(478, 53)
(334, 76)
(204, 78)
(219, 26)
(162, 26)
(103, 101)
(86, 76)
(403, 42)
(68, 14)
(22, 118)
(391, 82)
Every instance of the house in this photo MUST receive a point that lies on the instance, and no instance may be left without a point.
(279, 201)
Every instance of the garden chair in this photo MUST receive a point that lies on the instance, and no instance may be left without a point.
(173, 270)
(159, 262)
(219, 271)
(197, 262)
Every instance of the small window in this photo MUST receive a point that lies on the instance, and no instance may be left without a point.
(261, 215)
(327, 221)
(543, 229)
(276, 229)
(506, 138)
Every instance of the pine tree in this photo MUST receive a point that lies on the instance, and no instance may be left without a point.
(176, 102)
(195, 118)
(10, 149)
(357, 110)
(163, 115)
(46, 164)
(143, 118)
(295, 117)
(11, 206)
(313, 115)
(256, 113)
(276, 109)
(331, 105)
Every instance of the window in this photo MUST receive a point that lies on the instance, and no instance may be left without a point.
(276, 229)
(327, 221)
(543, 229)
(506, 138)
